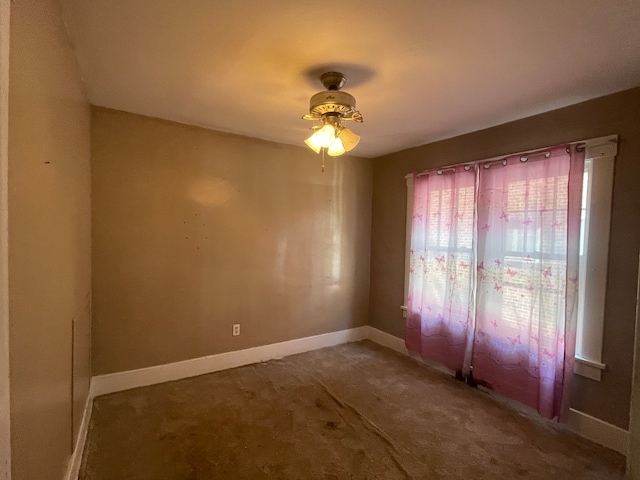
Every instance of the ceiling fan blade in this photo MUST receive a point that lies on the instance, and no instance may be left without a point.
(349, 139)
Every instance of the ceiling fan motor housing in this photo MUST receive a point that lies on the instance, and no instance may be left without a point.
(332, 101)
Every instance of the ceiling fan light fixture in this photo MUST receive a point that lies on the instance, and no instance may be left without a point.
(348, 139)
(326, 135)
(330, 108)
(313, 144)
(336, 149)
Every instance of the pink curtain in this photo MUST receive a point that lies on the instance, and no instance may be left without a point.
(527, 262)
(440, 299)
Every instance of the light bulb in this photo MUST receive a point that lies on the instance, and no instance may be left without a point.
(326, 135)
(336, 149)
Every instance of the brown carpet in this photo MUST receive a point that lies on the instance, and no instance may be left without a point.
(355, 411)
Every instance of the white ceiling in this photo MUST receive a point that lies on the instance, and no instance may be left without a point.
(421, 70)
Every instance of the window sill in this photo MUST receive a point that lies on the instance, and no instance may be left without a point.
(588, 368)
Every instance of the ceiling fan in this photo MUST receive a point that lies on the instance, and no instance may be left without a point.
(331, 107)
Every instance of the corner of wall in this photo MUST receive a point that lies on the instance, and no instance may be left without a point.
(5, 420)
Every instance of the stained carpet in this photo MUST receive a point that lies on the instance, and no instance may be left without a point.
(355, 411)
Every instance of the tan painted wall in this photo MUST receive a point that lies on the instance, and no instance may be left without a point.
(633, 459)
(5, 406)
(49, 240)
(618, 113)
(195, 230)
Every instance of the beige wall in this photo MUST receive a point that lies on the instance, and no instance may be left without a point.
(5, 406)
(195, 230)
(618, 113)
(633, 459)
(49, 241)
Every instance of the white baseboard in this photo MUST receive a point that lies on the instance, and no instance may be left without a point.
(387, 340)
(115, 382)
(394, 343)
(73, 468)
(598, 431)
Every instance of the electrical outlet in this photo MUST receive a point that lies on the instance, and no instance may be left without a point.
(236, 329)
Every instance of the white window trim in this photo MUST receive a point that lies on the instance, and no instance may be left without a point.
(601, 152)
(588, 368)
(407, 242)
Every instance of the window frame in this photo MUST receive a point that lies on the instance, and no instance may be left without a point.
(600, 155)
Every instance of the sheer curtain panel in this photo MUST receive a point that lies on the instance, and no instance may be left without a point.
(440, 297)
(528, 240)
(493, 278)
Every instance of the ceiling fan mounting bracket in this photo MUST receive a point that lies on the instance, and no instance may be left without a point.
(333, 80)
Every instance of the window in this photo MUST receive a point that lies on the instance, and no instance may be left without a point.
(594, 245)
(594, 251)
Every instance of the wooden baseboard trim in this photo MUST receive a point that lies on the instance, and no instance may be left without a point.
(394, 343)
(73, 468)
(115, 382)
(599, 431)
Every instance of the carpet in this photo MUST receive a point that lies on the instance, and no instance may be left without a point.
(354, 411)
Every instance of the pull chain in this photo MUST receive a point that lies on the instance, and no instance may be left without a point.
(323, 159)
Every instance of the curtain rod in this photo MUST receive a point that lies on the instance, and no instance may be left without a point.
(524, 155)
(488, 163)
